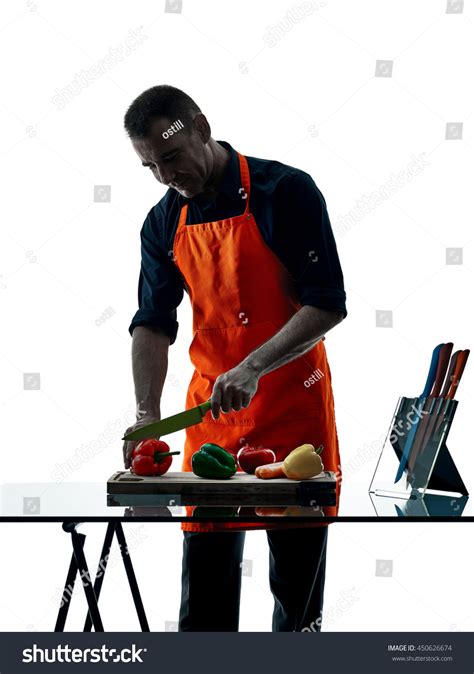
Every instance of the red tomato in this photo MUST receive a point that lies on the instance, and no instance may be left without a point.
(250, 458)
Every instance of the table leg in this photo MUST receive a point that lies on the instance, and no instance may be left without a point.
(132, 581)
(99, 578)
(78, 563)
(68, 589)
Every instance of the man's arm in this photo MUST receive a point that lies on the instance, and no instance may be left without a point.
(298, 335)
(160, 287)
(303, 240)
(150, 365)
(154, 326)
(235, 389)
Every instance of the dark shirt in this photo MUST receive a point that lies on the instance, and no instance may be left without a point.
(291, 215)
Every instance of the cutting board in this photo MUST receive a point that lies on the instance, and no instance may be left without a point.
(186, 488)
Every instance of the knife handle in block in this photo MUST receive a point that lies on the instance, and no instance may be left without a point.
(458, 370)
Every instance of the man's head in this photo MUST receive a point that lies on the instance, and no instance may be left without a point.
(172, 138)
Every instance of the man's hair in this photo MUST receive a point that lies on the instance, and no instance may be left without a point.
(160, 101)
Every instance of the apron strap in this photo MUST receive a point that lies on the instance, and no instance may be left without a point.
(182, 217)
(245, 178)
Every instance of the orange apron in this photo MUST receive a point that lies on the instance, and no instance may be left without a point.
(241, 295)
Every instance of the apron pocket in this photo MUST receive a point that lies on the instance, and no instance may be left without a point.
(297, 390)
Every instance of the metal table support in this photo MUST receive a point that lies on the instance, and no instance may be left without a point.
(92, 592)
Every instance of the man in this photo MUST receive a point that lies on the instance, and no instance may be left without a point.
(251, 243)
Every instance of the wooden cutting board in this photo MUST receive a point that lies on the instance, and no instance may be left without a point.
(186, 488)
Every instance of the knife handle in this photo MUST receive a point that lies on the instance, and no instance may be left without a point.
(458, 370)
(205, 407)
(449, 376)
(443, 362)
(433, 369)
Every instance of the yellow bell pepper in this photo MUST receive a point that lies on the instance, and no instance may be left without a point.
(303, 462)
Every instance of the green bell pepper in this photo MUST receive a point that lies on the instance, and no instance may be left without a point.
(213, 462)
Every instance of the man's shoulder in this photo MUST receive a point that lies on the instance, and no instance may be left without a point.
(278, 174)
(160, 213)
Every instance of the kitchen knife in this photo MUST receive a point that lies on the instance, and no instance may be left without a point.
(443, 363)
(458, 371)
(442, 415)
(452, 383)
(428, 386)
(171, 424)
(442, 398)
(438, 412)
(449, 377)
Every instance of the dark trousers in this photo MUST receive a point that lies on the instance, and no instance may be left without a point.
(212, 571)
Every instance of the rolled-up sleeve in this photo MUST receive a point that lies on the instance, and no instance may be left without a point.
(305, 243)
(160, 286)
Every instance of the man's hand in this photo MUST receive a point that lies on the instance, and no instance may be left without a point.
(234, 389)
(129, 445)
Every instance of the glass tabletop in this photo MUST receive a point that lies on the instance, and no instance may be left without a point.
(87, 501)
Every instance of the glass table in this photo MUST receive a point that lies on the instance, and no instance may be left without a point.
(89, 501)
(73, 503)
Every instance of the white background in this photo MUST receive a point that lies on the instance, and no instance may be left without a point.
(312, 100)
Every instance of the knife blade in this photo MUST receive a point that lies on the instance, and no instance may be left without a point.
(171, 424)
(422, 398)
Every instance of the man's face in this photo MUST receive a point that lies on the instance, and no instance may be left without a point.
(181, 161)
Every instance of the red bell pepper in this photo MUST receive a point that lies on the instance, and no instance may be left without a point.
(250, 458)
(151, 457)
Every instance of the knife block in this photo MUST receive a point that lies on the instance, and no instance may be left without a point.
(430, 467)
